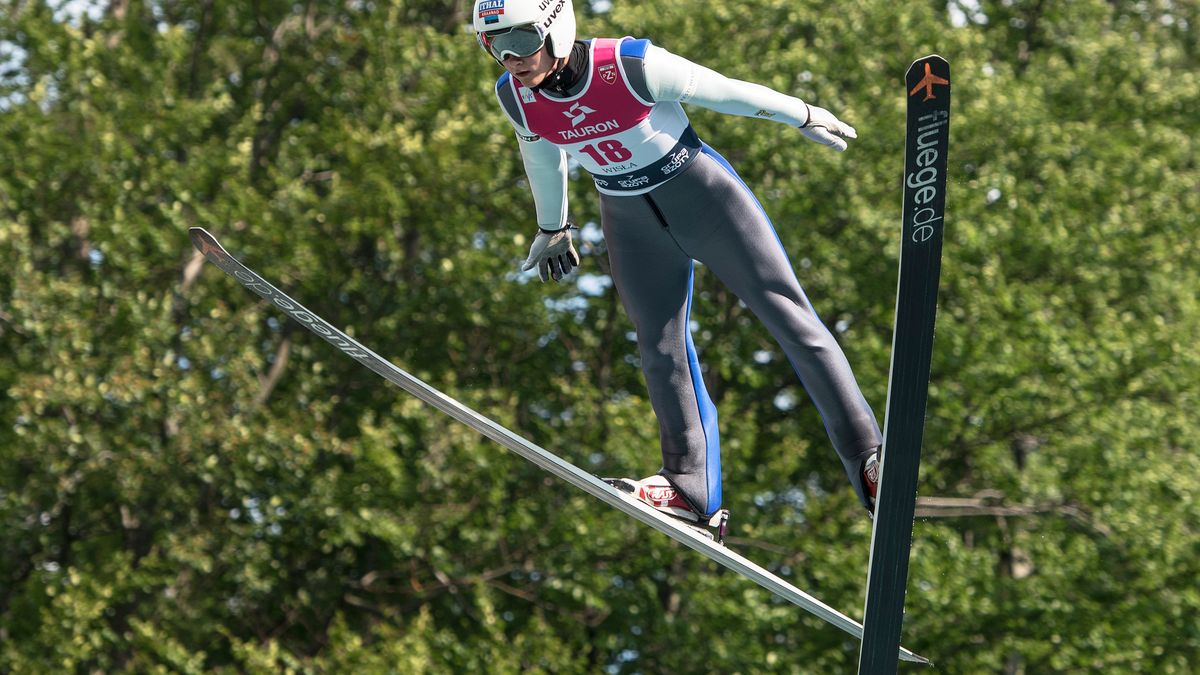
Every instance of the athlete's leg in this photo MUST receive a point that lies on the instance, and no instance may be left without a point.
(654, 280)
(722, 225)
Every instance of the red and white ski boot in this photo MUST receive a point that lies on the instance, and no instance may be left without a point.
(658, 493)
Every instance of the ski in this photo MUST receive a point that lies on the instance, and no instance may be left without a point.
(926, 141)
(555, 465)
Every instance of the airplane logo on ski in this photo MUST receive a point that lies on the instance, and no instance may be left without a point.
(927, 83)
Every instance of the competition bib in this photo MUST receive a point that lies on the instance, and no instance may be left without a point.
(628, 145)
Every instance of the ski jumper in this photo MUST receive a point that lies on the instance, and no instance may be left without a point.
(667, 200)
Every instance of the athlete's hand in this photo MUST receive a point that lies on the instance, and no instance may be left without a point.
(552, 253)
(826, 129)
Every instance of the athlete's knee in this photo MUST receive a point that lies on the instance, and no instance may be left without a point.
(661, 355)
(790, 314)
(807, 334)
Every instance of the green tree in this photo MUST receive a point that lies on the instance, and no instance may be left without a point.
(191, 483)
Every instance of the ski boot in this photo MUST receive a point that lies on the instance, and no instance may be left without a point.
(658, 493)
(871, 481)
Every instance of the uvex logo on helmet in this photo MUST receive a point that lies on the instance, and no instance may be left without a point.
(549, 21)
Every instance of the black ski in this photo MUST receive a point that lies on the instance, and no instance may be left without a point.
(926, 142)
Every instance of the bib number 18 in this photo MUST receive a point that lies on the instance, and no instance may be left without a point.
(606, 152)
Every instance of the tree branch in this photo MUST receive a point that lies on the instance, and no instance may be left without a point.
(268, 383)
(993, 504)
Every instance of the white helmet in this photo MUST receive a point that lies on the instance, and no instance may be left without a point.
(520, 27)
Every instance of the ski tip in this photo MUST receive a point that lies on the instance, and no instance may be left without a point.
(931, 67)
(198, 235)
(929, 57)
(906, 655)
(207, 244)
(928, 79)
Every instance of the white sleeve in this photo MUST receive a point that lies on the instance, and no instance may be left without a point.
(546, 167)
(674, 78)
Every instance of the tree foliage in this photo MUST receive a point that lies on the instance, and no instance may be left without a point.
(192, 484)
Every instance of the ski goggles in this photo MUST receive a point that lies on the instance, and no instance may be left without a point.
(519, 41)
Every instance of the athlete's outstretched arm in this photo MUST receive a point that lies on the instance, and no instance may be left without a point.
(673, 78)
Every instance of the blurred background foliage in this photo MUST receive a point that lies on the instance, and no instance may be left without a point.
(190, 483)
